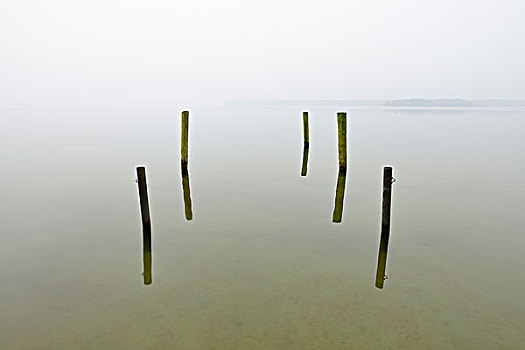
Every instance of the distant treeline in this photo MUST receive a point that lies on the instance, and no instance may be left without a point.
(453, 102)
(413, 102)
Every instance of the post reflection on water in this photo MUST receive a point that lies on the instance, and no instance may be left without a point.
(381, 261)
(186, 192)
(146, 255)
(304, 168)
(146, 224)
(339, 196)
(385, 227)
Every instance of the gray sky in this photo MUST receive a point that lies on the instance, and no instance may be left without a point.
(139, 53)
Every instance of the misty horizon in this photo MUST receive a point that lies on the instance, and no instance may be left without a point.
(104, 54)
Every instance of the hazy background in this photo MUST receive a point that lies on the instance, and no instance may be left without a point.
(149, 54)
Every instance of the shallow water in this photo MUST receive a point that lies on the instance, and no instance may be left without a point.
(261, 265)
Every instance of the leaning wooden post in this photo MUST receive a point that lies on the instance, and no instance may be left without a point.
(388, 180)
(184, 137)
(341, 128)
(146, 224)
(306, 131)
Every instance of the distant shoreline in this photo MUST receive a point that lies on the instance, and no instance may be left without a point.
(413, 102)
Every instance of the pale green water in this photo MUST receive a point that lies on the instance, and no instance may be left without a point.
(261, 265)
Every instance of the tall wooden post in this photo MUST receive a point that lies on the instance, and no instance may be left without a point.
(184, 137)
(184, 164)
(341, 178)
(341, 136)
(385, 226)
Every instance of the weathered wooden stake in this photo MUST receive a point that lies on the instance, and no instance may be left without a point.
(306, 131)
(146, 223)
(385, 226)
(186, 191)
(306, 144)
(184, 137)
(341, 128)
(146, 255)
(339, 196)
(304, 169)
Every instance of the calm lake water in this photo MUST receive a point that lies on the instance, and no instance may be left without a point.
(261, 265)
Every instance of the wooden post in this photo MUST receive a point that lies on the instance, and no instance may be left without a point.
(143, 197)
(306, 144)
(341, 178)
(186, 192)
(306, 132)
(146, 224)
(385, 226)
(304, 168)
(341, 128)
(184, 137)
(146, 255)
(339, 196)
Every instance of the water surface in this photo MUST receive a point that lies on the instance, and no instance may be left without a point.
(256, 262)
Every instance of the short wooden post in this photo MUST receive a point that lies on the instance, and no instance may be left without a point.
(146, 255)
(184, 137)
(306, 132)
(146, 224)
(388, 180)
(186, 192)
(339, 196)
(306, 144)
(341, 128)
(143, 197)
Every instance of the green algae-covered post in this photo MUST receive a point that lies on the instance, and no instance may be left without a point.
(385, 226)
(184, 137)
(184, 164)
(146, 223)
(186, 192)
(306, 131)
(146, 255)
(339, 196)
(341, 178)
(306, 144)
(341, 136)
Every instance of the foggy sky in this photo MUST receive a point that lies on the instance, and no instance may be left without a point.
(57, 53)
